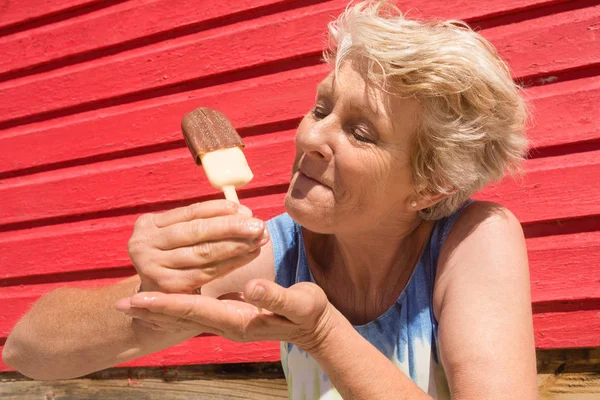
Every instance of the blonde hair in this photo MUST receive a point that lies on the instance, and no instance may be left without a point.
(472, 127)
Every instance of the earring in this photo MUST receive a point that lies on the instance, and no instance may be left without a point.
(413, 203)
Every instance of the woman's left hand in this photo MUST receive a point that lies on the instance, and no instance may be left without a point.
(301, 314)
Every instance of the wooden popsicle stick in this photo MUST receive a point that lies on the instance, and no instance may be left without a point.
(230, 194)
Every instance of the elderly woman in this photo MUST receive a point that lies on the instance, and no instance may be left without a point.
(382, 280)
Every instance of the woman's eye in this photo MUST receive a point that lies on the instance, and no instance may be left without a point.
(359, 135)
(319, 113)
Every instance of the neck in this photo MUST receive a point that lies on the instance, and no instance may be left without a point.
(365, 272)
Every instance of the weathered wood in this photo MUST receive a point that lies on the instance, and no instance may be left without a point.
(569, 374)
(146, 389)
(113, 26)
(132, 182)
(160, 19)
(569, 329)
(57, 249)
(562, 375)
(563, 267)
(255, 42)
(563, 113)
(22, 11)
(155, 122)
(531, 48)
(553, 187)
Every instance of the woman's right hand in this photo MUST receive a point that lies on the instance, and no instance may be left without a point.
(180, 250)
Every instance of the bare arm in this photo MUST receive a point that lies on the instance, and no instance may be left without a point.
(71, 332)
(483, 304)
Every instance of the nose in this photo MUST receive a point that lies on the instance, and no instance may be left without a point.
(315, 139)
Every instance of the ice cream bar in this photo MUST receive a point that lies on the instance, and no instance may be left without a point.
(216, 146)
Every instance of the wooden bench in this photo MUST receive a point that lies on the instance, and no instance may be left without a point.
(92, 97)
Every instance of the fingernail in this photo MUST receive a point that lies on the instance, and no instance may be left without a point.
(232, 205)
(244, 210)
(255, 225)
(122, 303)
(261, 240)
(258, 292)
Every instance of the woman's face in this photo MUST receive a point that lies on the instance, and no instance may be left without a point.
(352, 168)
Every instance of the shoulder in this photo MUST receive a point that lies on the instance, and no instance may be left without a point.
(482, 301)
(487, 237)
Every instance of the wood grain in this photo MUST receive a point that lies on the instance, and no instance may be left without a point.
(562, 114)
(553, 188)
(564, 267)
(566, 183)
(89, 138)
(574, 329)
(19, 12)
(114, 25)
(530, 47)
(256, 42)
(135, 181)
(163, 19)
(562, 374)
(50, 251)
(156, 122)
(146, 389)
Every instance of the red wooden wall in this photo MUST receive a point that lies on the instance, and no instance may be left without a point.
(92, 93)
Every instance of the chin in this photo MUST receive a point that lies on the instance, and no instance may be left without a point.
(305, 212)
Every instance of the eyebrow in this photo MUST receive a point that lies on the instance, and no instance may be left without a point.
(376, 119)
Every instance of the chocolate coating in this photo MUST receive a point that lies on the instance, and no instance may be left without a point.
(206, 130)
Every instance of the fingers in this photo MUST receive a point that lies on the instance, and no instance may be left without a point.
(200, 309)
(234, 320)
(205, 253)
(209, 272)
(300, 303)
(155, 321)
(210, 230)
(207, 209)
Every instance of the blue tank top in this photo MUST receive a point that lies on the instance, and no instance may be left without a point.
(407, 333)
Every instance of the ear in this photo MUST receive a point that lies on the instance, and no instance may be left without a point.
(418, 202)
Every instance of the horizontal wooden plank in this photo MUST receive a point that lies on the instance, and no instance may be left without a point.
(564, 267)
(552, 43)
(200, 350)
(552, 330)
(155, 178)
(203, 350)
(157, 121)
(199, 387)
(51, 251)
(564, 113)
(572, 374)
(113, 26)
(18, 12)
(256, 42)
(567, 329)
(530, 47)
(552, 188)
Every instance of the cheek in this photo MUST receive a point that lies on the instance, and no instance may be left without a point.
(363, 176)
